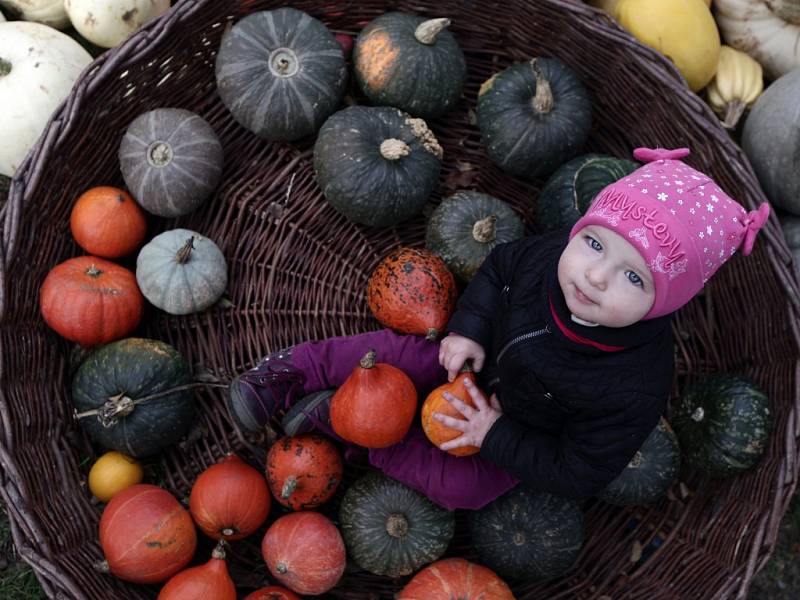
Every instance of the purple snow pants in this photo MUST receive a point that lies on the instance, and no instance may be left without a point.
(453, 482)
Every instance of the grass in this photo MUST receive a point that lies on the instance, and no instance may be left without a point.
(17, 580)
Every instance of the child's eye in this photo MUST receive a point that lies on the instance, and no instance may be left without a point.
(594, 244)
(634, 278)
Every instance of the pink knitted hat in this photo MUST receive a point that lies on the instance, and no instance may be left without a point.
(679, 220)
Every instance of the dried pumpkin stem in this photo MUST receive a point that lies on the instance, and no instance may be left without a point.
(432, 334)
(5, 67)
(392, 149)
(219, 551)
(543, 100)
(397, 525)
(93, 271)
(182, 256)
(427, 31)
(466, 367)
(281, 568)
(733, 112)
(228, 531)
(636, 461)
(159, 154)
(698, 414)
(485, 231)
(368, 361)
(289, 486)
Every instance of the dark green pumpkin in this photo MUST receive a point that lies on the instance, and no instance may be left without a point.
(281, 73)
(570, 190)
(134, 368)
(723, 425)
(534, 116)
(651, 471)
(376, 165)
(410, 62)
(527, 533)
(465, 228)
(390, 529)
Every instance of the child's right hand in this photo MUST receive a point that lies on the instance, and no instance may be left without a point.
(455, 349)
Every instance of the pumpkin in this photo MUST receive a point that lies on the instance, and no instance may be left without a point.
(375, 405)
(390, 529)
(411, 291)
(106, 23)
(610, 6)
(210, 580)
(412, 63)
(46, 12)
(791, 231)
(723, 425)
(436, 403)
(737, 84)
(650, 472)
(171, 161)
(533, 116)
(300, 417)
(272, 592)
(376, 165)
(682, 30)
(38, 66)
(105, 221)
(124, 398)
(146, 535)
(570, 191)
(112, 473)
(181, 272)
(280, 73)
(90, 300)
(465, 228)
(768, 30)
(526, 533)
(305, 552)
(229, 500)
(769, 140)
(303, 471)
(453, 578)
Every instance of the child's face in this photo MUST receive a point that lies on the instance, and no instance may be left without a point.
(604, 278)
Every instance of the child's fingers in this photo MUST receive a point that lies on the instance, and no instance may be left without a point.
(475, 393)
(461, 406)
(477, 362)
(452, 422)
(454, 363)
(495, 403)
(462, 440)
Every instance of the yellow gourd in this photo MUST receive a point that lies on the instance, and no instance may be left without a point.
(610, 6)
(112, 473)
(738, 83)
(682, 30)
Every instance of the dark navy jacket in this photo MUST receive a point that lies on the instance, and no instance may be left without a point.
(573, 414)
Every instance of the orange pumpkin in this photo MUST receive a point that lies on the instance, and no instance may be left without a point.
(303, 471)
(107, 222)
(411, 291)
(146, 535)
(273, 592)
(229, 500)
(456, 578)
(436, 402)
(91, 301)
(375, 405)
(210, 580)
(305, 552)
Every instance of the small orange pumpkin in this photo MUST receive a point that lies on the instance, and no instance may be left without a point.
(210, 580)
(375, 405)
(303, 471)
(437, 432)
(411, 291)
(273, 592)
(91, 301)
(456, 578)
(107, 222)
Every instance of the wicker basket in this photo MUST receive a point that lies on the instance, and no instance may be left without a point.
(298, 271)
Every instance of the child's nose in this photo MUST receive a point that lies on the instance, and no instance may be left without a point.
(596, 276)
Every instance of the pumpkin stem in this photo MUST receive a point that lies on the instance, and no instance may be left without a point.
(283, 62)
(182, 257)
(281, 568)
(219, 551)
(5, 67)
(228, 531)
(289, 486)
(698, 414)
(93, 271)
(636, 461)
(466, 367)
(101, 566)
(543, 100)
(368, 361)
(159, 154)
(392, 149)
(397, 525)
(425, 136)
(484, 231)
(427, 31)
(519, 538)
(733, 112)
(432, 334)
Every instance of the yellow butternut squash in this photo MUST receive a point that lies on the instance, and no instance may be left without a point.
(738, 82)
(610, 6)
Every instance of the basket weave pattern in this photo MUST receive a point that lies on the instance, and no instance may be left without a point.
(298, 271)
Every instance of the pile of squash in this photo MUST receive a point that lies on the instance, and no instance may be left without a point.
(134, 396)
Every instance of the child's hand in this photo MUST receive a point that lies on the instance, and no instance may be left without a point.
(479, 420)
(455, 349)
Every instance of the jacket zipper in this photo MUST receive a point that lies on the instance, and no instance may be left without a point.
(521, 338)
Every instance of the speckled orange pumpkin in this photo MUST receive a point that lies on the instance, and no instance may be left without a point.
(107, 222)
(411, 291)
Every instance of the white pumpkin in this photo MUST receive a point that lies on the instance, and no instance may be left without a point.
(47, 12)
(38, 66)
(106, 23)
(767, 30)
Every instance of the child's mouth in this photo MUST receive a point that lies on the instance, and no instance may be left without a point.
(583, 297)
